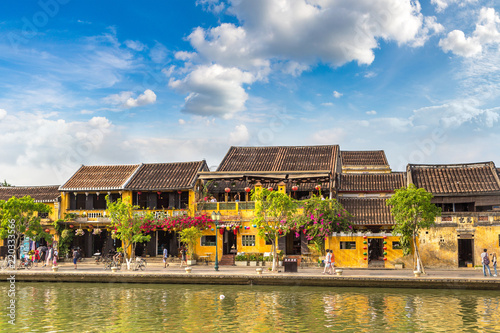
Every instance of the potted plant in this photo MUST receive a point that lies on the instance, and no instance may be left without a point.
(260, 259)
(398, 264)
(280, 258)
(241, 260)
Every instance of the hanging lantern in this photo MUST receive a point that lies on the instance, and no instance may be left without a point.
(221, 231)
(295, 188)
(159, 193)
(364, 258)
(385, 242)
(270, 188)
(364, 253)
(235, 231)
(364, 247)
(384, 237)
(385, 253)
(71, 226)
(139, 193)
(318, 187)
(364, 237)
(247, 189)
(179, 191)
(385, 259)
(47, 230)
(385, 247)
(364, 242)
(227, 189)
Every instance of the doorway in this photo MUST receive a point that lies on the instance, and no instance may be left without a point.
(293, 244)
(376, 252)
(465, 253)
(230, 245)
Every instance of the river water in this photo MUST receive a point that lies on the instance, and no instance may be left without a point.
(71, 307)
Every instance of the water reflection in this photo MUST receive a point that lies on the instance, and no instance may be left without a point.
(192, 308)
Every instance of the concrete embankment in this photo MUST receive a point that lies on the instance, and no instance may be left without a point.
(363, 279)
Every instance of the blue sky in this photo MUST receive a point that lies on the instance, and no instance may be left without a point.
(107, 82)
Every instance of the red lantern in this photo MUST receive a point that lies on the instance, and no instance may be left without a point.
(318, 187)
(139, 193)
(235, 231)
(179, 191)
(364, 247)
(221, 231)
(71, 226)
(295, 188)
(270, 188)
(159, 193)
(90, 226)
(385, 247)
(364, 258)
(385, 237)
(227, 189)
(47, 230)
(364, 237)
(385, 259)
(247, 189)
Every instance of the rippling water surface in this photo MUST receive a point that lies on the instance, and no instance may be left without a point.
(67, 307)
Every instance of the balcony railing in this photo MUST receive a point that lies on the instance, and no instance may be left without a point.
(237, 206)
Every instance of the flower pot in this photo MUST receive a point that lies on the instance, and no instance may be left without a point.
(417, 273)
(339, 272)
(399, 266)
(259, 271)
(191, 262)
(280, 263)
(114, 269)
(252, 263)
(188, 269)
(55, 268)
(241, 263)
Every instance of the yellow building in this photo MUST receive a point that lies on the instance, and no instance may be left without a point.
(161, 188)
(49, 195)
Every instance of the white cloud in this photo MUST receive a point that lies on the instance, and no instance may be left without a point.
(125, 100)
(327, 104)
(441, 5)
(239, 136)
(371, 112)
(158, 53)
(336, 94)
(182, 122)
(214, 6)
(486, 33)
(135, 45)
(3, 113)
(214, 90)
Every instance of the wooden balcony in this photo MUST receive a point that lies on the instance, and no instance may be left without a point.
(218, 206)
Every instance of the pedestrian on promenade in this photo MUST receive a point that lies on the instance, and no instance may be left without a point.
(183, 256)
(55, 257)
(328, 262)
(485, 260)
(76, 255)
(50, 253)
(37, 257)
(494, 263)
(332, 262)
(165, 256)
(43, 253)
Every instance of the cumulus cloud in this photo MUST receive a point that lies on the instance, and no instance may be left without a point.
(371, 112)
(486, 33)
(214, 90)
(239, 136)
(214, 6)
(125, 100)
(336, 94)
(3, 113)
(441, 5)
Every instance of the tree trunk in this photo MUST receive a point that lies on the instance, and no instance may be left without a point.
(417, 254)
(275, 253)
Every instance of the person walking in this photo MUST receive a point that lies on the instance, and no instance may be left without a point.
(50, 253)
(165, 256)
(55, 256)
(494, 263)
(76, 255)
(485, 260)
(183, 256)
(332, 262)
(328, 262)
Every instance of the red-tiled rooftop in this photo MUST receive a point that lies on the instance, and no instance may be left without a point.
(382, 182)
(39, 193)
(368, 211)
(455, 178)
(363, 158)
(166, 176)
(100, 177)
(280, 158)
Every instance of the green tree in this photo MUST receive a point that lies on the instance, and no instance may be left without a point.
(412, 210)
(321, 218)
(5, 184)
(127, 225)
(19, 218)
(190, 236)
(274, 213)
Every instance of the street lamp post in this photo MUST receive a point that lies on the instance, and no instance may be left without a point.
(216, 219)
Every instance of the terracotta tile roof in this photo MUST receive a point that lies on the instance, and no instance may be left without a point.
(280, 158)
(455, 178)
(368, 211)
(39, 193)
(239, 186)
(166, 176)
(363, 158)
(382, 182)
(100, 177)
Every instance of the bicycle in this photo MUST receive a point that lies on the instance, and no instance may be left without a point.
(26, 263)
(140, 264)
